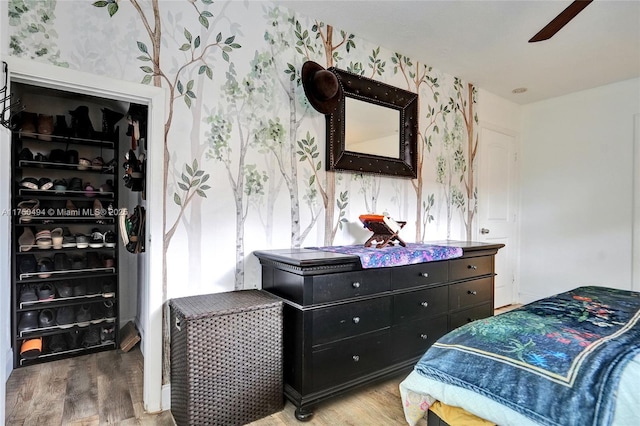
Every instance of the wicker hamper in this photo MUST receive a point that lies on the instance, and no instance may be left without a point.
(226, 358)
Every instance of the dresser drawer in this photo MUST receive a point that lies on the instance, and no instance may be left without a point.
(332, 287)
(460, 269)
(469, 315)
(412, 339)
(350, 319)
(349, 359)
(420, 304)
(419, 274)
(470, 293)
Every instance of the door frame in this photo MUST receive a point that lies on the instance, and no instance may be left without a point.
(45, 75)
(514, 252)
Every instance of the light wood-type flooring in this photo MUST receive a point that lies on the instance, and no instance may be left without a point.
(106, 388)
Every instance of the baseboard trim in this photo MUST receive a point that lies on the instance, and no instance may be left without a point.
(166, 397)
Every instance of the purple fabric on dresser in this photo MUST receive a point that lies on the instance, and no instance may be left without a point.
(396, 255)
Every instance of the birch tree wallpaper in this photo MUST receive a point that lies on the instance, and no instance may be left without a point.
(244, 152)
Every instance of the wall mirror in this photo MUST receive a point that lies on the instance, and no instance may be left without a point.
(374, 129)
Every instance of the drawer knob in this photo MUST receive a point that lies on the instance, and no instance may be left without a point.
(474, 267)
(356, 320)
(472, 292)
(424, 336)
(425, 303)
(355, 284)
(356, 358)
(425, 274)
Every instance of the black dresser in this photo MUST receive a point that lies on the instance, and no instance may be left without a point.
(345, 326)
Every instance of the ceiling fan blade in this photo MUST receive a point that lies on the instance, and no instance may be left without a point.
(560, 21)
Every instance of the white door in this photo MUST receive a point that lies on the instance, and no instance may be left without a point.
(497, 201)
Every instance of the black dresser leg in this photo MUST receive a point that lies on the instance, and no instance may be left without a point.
(303, 414)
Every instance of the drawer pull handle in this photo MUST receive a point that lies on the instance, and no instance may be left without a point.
(356, 358)
(472, 292)
(355, 284)
(474, 267)
(356, 320)
(424, 336)
(425, 304)
(425, 274)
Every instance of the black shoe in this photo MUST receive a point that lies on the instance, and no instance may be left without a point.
(45, 184)
(75, 184)
(93, 260)
(57, 343)
(71, 156)
(25, 154)
(107, 334)
(73, 339)
(81, 126)
(28, 321)
(45, 267)
(29, 183)
(28, 264)
(91, 338)
(46, 292)
(97, 239)
(57, 156)
(46, 318)
(61, 262)
(41, 158)
(28, 294)
(64, 289)
(61, 128)
(110, 239)
(108, 311)
(107, 285)
(65, 316)
(80, 289)
(83, 314)
(78, 262)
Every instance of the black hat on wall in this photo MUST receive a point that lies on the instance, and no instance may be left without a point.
(321, 86)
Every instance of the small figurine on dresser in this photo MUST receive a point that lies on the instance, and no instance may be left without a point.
(385, 230)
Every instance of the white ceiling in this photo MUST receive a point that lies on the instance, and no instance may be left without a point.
(486, 42)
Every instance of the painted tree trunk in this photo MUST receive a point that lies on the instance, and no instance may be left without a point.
(292, 183)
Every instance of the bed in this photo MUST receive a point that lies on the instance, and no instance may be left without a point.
(569, 359)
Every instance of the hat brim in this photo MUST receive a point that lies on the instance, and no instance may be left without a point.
(326, 106)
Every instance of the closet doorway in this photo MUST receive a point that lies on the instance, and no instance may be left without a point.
(150, 263)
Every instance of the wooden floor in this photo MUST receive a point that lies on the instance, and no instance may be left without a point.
(96, 389)
(106, 388)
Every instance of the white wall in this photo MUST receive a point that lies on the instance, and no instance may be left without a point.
(577, 190)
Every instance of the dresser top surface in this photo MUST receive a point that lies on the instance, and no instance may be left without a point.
(310, 257)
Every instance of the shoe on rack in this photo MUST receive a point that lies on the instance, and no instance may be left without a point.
(28, 264)
(89, 190)
(84, 164)
(81, 126)
(98, 210)
(46, 318)
(80, 289)
(31, 348)
(71, 157)
(27, 239)
(29, 183)
(108, 310)
(57, 343)
(107, 187)
(110, 239)
(94, 287)
(25, 155)
(75, 184)
(28, 321)
(93, 260)
(46, 292)
(97, 164)
(45, 267)
(109, 120)
(107, 334)
(74, 337)
(28, 294)
(45, 184)
(107, 286)
(71, 209)
(29, 124)
(60, 186)
(43, 239)
(84, 313)
(82, 241)
(40, 158)
(61, 262)
(64, 288)
(56, 238)
(28, 209)
(65, 316)
(108, 261)
(110, 167)
(45, 127)
(97, 239)
(68, 240)
(61, 128)
(57, 156)
(91, 338)
(78, 262)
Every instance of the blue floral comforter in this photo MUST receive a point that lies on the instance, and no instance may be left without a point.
(556, 361)
(396, 255)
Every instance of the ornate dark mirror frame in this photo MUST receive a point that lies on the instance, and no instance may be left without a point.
(378, 93)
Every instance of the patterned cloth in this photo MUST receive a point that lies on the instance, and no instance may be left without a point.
(396, 255)
(556, 361)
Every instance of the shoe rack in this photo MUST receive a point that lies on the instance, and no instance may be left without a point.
(65, 244)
